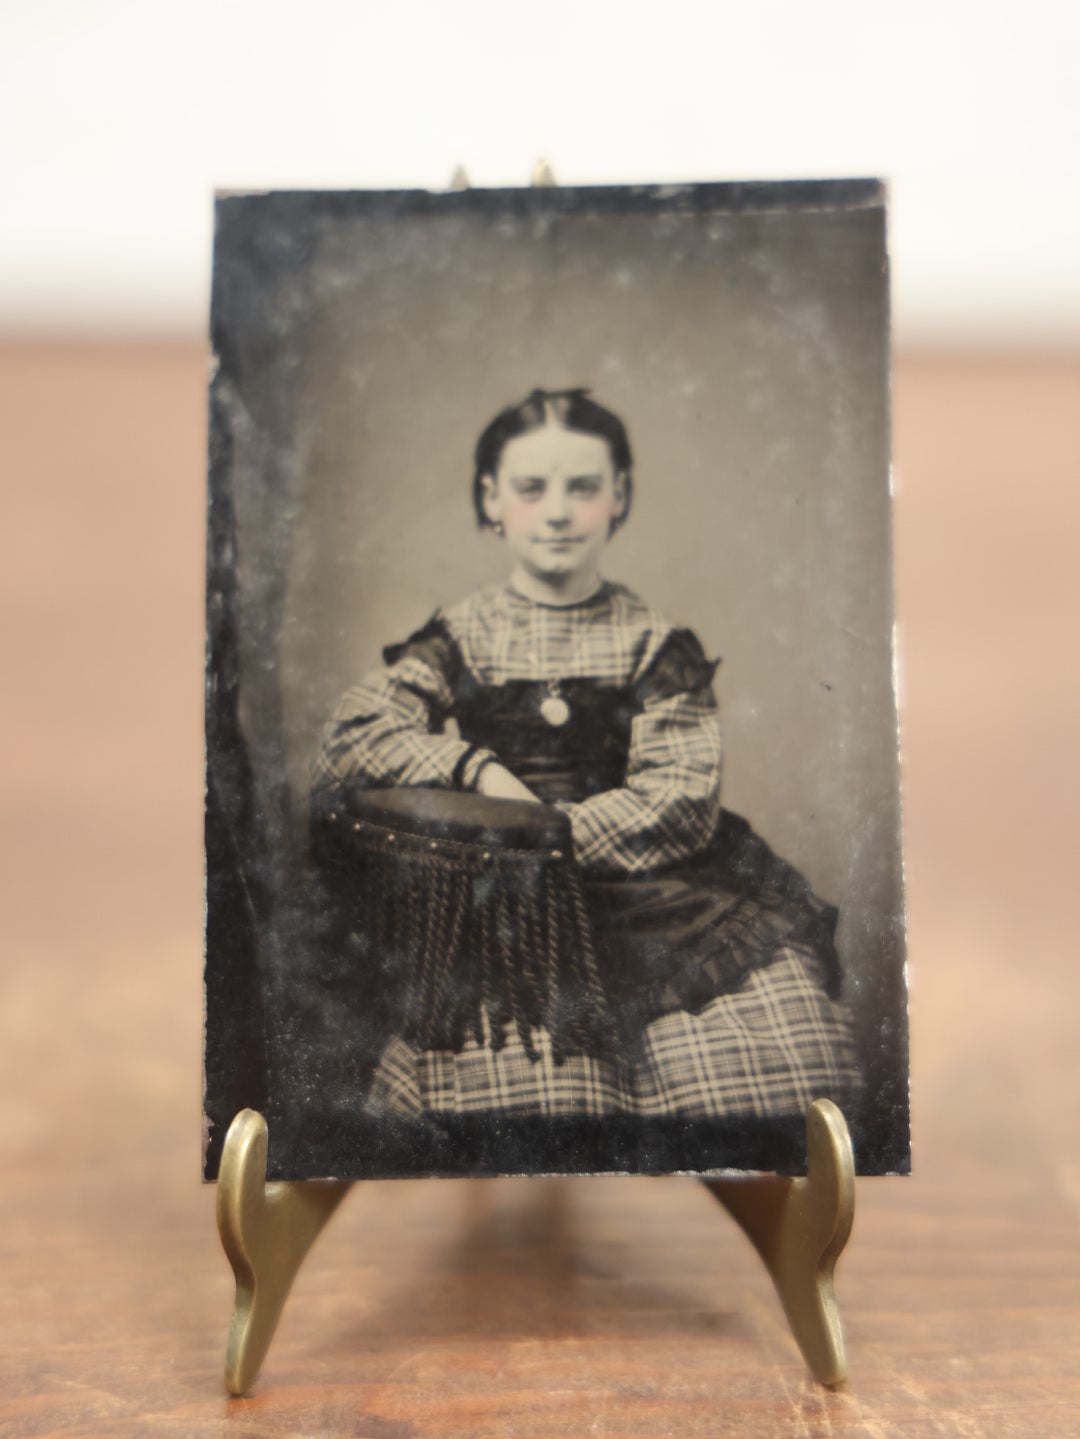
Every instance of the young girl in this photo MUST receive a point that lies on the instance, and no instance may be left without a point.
(569, 690)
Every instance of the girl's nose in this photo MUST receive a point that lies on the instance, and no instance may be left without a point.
(556, 506)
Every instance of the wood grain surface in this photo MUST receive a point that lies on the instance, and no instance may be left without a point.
(548, 1307)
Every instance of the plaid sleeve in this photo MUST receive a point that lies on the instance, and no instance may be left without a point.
(669, 805)
(388, 729)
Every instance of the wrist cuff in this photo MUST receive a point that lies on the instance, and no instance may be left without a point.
(467, 770)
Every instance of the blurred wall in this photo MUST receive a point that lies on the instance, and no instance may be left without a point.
(118, 120)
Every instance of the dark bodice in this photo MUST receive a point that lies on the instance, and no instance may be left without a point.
(585, 756)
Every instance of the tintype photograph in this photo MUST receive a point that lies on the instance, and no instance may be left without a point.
(552, 804)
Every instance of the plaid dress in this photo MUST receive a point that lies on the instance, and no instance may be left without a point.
(718, 957)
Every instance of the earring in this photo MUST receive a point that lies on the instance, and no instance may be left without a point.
(497, 526)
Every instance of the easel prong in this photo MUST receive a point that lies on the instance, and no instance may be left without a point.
(266, 1231)
(800, 1228)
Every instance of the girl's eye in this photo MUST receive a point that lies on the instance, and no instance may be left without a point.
(530, 489)
(587, 487)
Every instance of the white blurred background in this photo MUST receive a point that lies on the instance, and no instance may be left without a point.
(120, 117)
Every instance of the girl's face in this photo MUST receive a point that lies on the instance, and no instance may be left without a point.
(556, 495)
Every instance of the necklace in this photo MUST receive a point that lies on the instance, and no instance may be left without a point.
(555, 707)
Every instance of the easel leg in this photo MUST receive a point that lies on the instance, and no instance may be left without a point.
(800, 1227)
(266, 1230)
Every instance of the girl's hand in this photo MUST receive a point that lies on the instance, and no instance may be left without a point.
(496, 781)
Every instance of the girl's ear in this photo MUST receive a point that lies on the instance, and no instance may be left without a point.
(619, 489)
(491, 499)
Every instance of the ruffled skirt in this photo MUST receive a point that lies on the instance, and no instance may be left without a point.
(764, 1049)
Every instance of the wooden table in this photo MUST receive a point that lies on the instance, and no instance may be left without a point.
(495, 1308)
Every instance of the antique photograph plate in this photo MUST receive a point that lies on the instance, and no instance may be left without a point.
(552, 792)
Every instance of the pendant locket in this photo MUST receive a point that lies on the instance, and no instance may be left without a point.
(554, 708)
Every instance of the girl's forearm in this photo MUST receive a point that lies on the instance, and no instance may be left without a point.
(634, 830)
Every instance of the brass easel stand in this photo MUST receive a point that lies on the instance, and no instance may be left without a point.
(266, 1231)
(798, 1226)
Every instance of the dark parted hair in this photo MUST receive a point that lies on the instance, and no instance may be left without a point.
(573, 410)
